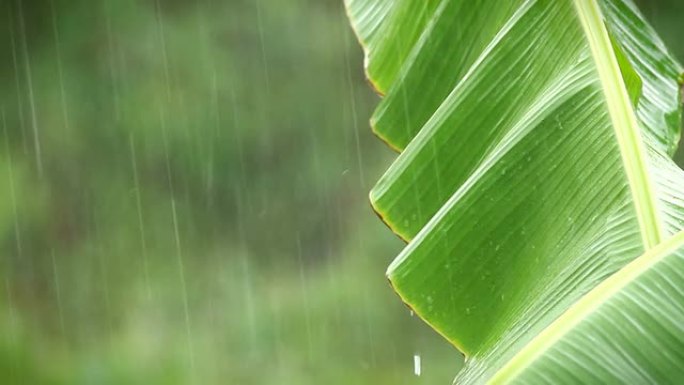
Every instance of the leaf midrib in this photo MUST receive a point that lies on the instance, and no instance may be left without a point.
(624, 121)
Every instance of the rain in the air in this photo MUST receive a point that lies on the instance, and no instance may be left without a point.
(184, 193)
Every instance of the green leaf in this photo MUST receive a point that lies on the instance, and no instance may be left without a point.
(536, 141)
(626, 330)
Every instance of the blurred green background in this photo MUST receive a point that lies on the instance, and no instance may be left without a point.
(183, 198)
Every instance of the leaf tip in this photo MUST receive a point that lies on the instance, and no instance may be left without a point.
(372, 198)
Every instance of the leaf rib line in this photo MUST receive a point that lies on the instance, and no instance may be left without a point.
(559, 91)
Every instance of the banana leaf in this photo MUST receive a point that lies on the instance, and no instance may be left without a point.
(535, 184)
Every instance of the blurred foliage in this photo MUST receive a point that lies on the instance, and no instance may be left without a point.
(183, 198)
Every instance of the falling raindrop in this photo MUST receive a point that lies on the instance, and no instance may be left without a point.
(417, 365)
(31, 91)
